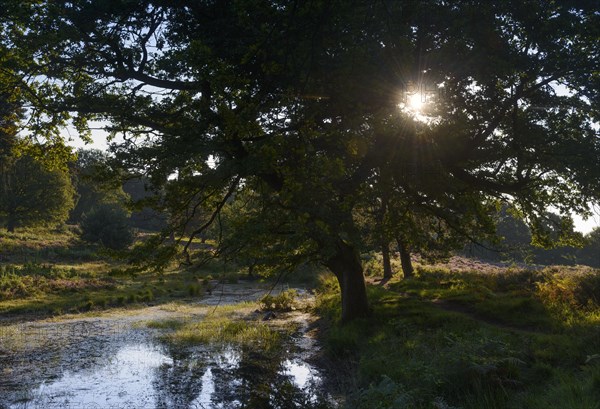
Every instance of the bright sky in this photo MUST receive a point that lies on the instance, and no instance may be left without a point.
(98, 137)
(586, 226)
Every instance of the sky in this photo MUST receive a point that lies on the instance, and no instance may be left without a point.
(98, 137)
(586, 226)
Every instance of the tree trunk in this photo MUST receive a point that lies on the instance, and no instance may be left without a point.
(251, 270)
(346, 266)
(10, 225)
(387, 265)
(407, 267)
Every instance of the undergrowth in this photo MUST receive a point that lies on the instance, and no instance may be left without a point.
(522, 339)
(51, 272)
(284, 301)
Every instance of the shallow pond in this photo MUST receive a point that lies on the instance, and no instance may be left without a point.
(114, 364)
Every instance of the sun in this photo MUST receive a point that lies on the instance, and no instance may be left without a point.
(415, 103)
(417, 106)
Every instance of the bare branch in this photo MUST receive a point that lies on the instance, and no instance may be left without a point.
(214, 215)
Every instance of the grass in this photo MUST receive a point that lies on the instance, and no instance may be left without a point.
(284, 301)
(172, 324)
(462, 339)
(232, 325)
(51, 297)
(49, 273)
(52, 272)
(227, 331)
(446, 338)
(548, 299)
(43, 245)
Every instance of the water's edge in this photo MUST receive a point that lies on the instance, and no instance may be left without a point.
(120, 363)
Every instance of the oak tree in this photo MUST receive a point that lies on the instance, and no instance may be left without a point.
(465, 105)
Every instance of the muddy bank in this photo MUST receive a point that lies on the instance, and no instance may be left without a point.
(116, 361)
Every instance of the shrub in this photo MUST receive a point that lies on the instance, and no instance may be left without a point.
(107, 224)
(26, 280)
(88, 305)
(285, 301)
(193, 290)
(13, 285)
(373, 265)
(579, 291)
(146, 296)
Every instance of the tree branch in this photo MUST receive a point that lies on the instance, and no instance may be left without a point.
(214, 215)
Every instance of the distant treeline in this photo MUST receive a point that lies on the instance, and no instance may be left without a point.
(516, 246)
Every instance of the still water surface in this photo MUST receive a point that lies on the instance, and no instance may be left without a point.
(131, 368)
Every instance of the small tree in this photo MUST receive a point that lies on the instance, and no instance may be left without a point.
(590, 253)
(92, 184)
(107, 224)
(32, 195)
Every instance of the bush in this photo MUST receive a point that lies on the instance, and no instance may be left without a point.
(577, 291)
(107, 224)
(194, 290)
(14, 285)
(285, 301)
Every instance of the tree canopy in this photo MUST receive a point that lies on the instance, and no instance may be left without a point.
(308, 105)
(33, 192)
(93, 186)
(32, 195)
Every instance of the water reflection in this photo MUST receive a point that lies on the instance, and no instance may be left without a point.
(208, 388)
(178, 383)
(238, 378)
(137, 373)
(304, 375)
(122, 382)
